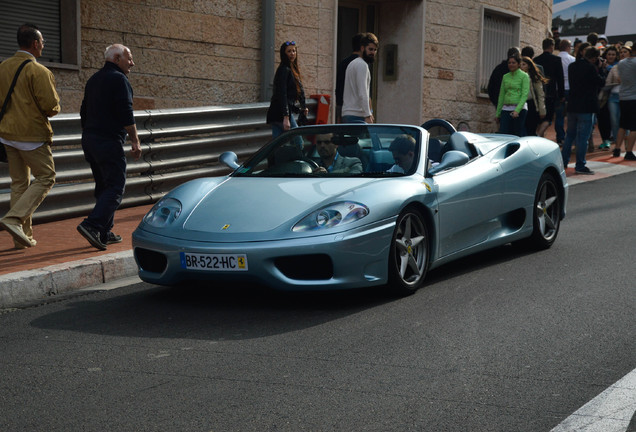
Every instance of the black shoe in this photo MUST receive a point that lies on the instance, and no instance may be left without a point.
(111, 238)
(630, 156)
(92, 236)
(584, 170)
(616, 152)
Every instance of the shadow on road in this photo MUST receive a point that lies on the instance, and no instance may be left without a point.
(232, 312)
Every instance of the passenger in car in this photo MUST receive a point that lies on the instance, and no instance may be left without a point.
(403, 149)
(331, 161)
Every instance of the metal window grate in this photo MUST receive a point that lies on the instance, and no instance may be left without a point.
(45, 14)
(499, 34)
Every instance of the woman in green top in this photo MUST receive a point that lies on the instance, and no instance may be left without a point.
(512, 107)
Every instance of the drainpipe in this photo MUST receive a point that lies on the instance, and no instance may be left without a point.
(267, 49)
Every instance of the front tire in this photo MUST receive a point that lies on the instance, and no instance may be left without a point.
(546, 218)
(408, 258)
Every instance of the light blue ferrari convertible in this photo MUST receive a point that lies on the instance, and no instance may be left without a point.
(348, 206)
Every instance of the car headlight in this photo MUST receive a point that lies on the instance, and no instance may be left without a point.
(166, 211)
(331, 216)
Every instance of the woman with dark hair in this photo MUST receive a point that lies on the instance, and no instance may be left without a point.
(580, 49)
(288, 92)
(511, 106)
(536, 97)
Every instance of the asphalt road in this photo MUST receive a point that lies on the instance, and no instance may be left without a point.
(503, 341)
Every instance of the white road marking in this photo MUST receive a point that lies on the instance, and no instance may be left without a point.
(611, 411)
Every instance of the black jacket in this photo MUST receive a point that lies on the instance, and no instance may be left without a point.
(585, 83)
(494, 83)
(107, 106)
(553, 69)
(285, 95)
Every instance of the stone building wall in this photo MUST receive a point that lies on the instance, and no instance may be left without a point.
(195, 53)
(208, 52)
(451, 55)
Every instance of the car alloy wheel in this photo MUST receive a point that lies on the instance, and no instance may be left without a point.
(547, 213)
(408, 260)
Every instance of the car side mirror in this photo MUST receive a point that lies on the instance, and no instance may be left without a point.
(230, 159)
(450, 159)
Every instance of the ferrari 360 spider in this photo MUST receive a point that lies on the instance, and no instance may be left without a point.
(347, 206)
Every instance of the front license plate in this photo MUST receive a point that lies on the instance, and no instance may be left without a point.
(214, 262)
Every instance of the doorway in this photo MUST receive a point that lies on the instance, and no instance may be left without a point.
(355, 17)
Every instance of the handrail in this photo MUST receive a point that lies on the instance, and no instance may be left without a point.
(177, 145)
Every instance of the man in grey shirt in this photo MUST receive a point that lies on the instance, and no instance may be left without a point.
(627, 96)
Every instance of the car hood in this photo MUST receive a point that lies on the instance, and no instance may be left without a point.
(241, 209)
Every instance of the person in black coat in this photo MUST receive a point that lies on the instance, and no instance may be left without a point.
(585, 83)
(555, 89)
(288, 92)
(494, 82)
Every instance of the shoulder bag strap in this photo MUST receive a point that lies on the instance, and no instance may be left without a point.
(15, 79)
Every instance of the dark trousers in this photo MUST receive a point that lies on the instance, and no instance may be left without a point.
(532, 119)
(604, 123)
(513, 126)
(108, 164)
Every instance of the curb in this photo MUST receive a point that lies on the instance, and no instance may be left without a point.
(42, 284)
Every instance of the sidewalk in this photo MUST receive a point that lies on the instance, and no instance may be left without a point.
(63, 261)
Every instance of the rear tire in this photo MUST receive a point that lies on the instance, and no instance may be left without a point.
(408, 258)
(546, 218)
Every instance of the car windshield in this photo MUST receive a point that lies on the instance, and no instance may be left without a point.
(338, 151)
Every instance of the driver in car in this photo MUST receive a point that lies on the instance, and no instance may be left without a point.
(403, 149)
(333, 162)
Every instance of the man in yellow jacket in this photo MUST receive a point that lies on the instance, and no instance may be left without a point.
(26, 133)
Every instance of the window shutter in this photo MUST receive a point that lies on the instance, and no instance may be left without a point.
(499, 34)
(45, 14)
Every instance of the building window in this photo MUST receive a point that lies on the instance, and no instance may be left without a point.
(499, 31)
(58, 20)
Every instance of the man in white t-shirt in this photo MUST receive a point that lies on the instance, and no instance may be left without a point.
(356, 106)
(559, 120)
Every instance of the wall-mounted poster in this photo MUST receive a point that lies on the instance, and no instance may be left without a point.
(612, 18)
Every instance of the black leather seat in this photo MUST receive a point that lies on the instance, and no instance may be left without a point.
(459, 142)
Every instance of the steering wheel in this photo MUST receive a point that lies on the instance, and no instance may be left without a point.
(312, 163)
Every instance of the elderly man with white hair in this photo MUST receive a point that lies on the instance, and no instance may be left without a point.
(107, 118)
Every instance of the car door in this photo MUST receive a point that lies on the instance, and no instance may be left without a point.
(469, 204)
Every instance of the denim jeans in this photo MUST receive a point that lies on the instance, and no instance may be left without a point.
(615, 113)
(352, 119)
(513, 126)
(108, 163)
(277, 128)
(559, 117)
(579, 131)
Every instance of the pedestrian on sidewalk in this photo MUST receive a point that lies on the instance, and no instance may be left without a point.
(26, 133)
(356, 96)
(585, 83)
(107, 117)
(341, 70)
(614, 83)
(627, 96)
(561, 106)
(555, 89)
(512, 106)
(288, 97)
(536, 97)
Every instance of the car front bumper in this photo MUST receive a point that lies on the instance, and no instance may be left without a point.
(358, 258)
